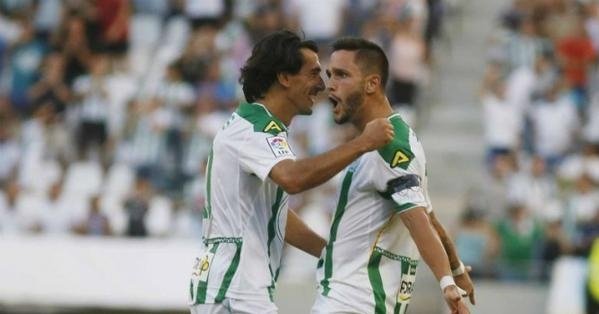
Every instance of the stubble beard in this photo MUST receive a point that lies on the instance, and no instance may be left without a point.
(353, 102)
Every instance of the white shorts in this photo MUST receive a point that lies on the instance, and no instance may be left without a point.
(235, 306)
(326, 305)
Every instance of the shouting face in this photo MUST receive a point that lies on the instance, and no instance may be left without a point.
(346, 85)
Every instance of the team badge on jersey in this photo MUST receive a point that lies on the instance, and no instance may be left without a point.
(279, 146)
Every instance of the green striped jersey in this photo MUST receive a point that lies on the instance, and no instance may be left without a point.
(245, 212)
(369, 263)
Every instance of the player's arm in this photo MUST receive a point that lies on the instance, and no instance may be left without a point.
(296, 176)
(431, 249)
(298, 234)
(459, 272)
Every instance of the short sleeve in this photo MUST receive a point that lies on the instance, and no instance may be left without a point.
(403, 186)
(400, 174)
(260, 152)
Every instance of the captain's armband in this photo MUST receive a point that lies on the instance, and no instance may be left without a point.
(403, 183)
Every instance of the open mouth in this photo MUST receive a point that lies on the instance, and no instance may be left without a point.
(333, 101)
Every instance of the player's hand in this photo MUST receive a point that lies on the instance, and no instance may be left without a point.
(377, 133)
(465, 282)
(454, 300)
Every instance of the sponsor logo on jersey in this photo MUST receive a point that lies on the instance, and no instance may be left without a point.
(399, 158)
(272, 126)
(406, 288)
(279, 146)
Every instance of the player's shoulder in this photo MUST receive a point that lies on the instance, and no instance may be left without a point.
(398, 152)
(260, 119)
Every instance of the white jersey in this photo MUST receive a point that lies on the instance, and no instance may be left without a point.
(369, 263)
(245, 212)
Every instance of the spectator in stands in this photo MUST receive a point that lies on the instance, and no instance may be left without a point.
(476, 242)
(10, 150)
(534, 187)
(51, 88)
(321, 21)
(15, 219)
(174, 96)
(55, 215)
(265, 19)
(71, 40)
(524, 45)
(137, 205)
(113, 21)
(576, 54)
(588, 232)
(95, 223)
(519, 238)
(583, 202)
(591, 129)
(92, 94)
(555, 125)
(407, 67)
(503, 120)
(493, 193)
(198, 54)
(592, 23)
(555, 245)
(25, 58)
(147, 142)
(204, 12)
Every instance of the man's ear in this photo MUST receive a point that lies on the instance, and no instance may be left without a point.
(373, 82)
(284, 79)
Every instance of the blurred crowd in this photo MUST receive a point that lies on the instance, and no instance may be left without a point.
(108, 107)
(540, 98)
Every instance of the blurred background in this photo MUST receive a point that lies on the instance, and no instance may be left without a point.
(108, 109)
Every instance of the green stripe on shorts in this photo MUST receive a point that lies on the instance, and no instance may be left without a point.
(222, 291)
(376, 282)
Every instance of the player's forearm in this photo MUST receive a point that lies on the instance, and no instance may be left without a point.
(452, 253)
(301, 175)
(299, 235)
(427, 241)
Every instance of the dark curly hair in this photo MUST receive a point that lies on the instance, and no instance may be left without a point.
(370, 57)
(278, 52)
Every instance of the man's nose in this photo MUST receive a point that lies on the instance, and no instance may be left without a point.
(321, 85)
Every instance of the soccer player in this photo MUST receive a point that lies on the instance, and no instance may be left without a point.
(383, 222)
(250, 171)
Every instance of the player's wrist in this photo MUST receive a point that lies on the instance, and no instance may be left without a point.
(460, 270)
(446, 281)
(361, 144)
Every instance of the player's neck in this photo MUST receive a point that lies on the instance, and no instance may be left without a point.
(373, 108)
(277, 108)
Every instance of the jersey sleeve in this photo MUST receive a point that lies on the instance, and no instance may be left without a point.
(403, 186)
(260, 152)
(399, 171)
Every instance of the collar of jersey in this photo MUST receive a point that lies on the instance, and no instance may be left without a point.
(393, 115)
(257, 104)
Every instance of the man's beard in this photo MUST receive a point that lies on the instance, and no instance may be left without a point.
(353, 102)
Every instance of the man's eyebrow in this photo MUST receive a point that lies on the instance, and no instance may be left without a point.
(340, 71)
